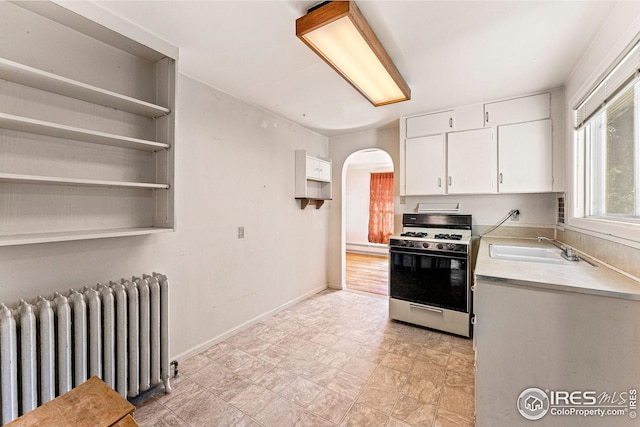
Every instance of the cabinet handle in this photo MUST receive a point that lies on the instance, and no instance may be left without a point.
(473, 320)
(439, 182)
(500, 177)
(449, 181)
(486, 117)
(451, 122)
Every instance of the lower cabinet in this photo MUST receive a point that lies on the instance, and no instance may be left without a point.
(556, 341)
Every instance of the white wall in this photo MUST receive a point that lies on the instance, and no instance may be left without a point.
(234, 167)
(340, 148)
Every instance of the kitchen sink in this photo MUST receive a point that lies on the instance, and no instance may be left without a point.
(527, 253)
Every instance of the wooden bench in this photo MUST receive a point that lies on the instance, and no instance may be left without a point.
(91, 404)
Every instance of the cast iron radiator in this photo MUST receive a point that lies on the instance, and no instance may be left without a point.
(118, 332)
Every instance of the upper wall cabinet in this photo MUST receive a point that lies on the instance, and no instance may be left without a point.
(86, 129)
(464, 118)
(471, 162)
(518, 110)
(430, 124)
(425, 165)
(495, 147)
(525, 157)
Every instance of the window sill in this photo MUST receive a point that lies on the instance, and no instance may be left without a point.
(626, 233)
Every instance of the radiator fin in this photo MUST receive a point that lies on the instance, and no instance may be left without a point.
(118, 332)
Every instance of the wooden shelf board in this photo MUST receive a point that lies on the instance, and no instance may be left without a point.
(51, 180)
(25, 124)
(29, 76)
(65, 236)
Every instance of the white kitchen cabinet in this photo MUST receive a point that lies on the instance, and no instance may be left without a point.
(458, 119)
(471, 162)
(518, 110)
(86, 131)
(468, 117)
(312, 179)
(525, 152)
(429, 124)
(425, 160)
(318, 169)
(551, 340)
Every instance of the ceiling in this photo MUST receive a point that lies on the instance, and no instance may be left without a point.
(451, 53)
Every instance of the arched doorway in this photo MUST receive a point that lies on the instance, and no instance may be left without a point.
(365, 266)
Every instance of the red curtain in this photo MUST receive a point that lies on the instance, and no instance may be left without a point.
(381, 207)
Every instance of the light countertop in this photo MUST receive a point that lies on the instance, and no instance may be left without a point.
(578, 277)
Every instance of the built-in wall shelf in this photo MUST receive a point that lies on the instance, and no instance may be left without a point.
(51, 180)
(87, 129)
(66, 236)
(24, 124)
(33, 77)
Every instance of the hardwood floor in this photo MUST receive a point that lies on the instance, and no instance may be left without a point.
(367, 273)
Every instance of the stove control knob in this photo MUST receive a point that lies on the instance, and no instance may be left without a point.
(440, 246)
(425, 245)
(451, 246)
(403, 243)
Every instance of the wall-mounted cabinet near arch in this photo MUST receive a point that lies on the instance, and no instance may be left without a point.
(313, 179)
(86, 129)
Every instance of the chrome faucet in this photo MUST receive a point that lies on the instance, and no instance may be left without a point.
(567, 252)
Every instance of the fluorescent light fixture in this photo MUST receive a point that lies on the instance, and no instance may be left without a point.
(339, 34)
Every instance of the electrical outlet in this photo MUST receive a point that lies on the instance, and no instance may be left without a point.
(240, 232)
(515, 216)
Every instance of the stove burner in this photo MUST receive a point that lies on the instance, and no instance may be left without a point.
(414, 234)
(448, 236)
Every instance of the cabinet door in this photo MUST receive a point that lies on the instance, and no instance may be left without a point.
(471, 162)
(519, 110)
(424, 165)
(468, 117)
(429, 124)
(525, 157)
(324, 170)
(318, 169)
(312, 168)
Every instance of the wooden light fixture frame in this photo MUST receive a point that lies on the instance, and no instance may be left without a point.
(334, 10)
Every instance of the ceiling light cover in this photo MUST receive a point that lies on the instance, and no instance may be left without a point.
(339, 34)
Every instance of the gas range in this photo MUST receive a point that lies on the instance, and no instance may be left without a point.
(434, 232)
(430, 272)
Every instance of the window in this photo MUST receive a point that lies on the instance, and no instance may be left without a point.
(607, 147)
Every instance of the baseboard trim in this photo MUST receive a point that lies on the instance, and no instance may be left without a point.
(368, 248)
(201, 347)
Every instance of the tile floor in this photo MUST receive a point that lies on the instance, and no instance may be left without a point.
(333, 359)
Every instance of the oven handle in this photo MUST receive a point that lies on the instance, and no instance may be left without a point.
(462, 256)
(422, 307)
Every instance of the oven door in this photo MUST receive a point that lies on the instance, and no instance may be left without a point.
(430, 278)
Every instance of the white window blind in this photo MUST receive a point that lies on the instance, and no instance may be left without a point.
(622, 74)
